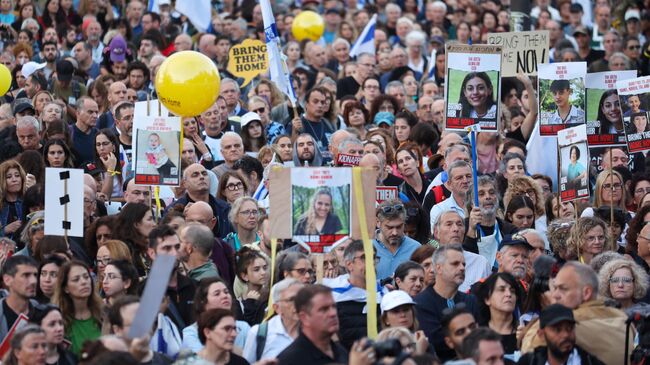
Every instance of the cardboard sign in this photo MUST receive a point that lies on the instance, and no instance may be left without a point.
(343, 159)
(5, 346)
(64, 202)
(385, 193)
(156, 150)
(319, 208)
(574, 163)
(561, 96)
(634, 95)
(521, 51)
(248, 59)
(473, 86)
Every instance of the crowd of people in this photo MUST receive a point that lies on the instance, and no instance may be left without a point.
(501, 272)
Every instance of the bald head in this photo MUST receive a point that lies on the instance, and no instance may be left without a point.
(371, 161)
(183, 42)
(90, 182)
(206, 45)
(116, 93)
(200, 212)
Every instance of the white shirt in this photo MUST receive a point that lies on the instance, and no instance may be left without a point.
(443, 206)
(277, 339)
(476, 268)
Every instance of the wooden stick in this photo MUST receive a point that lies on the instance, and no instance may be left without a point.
(559, 190)
(611, 203)
(65, 210)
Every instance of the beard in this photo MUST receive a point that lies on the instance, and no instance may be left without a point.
(557, 352)
(489, 213)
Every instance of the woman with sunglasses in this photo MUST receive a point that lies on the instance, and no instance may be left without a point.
(50, 319)
(295, 265)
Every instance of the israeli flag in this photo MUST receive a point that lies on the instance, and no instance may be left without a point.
(199, 12)
(277, 60)
(432, 62)
(366, 41)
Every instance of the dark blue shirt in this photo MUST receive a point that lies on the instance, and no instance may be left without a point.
(84, 144)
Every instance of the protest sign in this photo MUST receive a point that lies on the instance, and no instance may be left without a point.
(343, 159)
(521, 51)
(473, 86)
(561, 96)
(157, 150)
(5, 345)
(248, 59)
(634, 97)
(604, 117)
(574, 163)
(319, 208)
(385, 193)
(64, 202)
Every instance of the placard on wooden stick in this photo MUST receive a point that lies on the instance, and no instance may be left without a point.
(316, 206)
(64, 202)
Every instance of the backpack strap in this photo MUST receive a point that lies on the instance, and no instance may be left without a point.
(261, 339)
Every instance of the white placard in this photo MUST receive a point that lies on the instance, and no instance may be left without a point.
(64, 203)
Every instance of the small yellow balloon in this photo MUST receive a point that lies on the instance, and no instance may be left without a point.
(187, 83)
(308, 25)
(5, 79)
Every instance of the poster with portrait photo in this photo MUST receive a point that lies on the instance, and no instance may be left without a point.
(605, 127)
(157, 151)
(561, 96)
(634, 96)
(574, 163)
(317, 207)
(320, 201)
(473, 86)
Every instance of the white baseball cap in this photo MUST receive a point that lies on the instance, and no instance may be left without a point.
(250, 117)
(395, 299)
(30, 67)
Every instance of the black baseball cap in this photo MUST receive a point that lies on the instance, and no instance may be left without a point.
(519, 241)
(554, 314)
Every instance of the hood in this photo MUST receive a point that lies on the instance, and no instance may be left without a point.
(318, 157)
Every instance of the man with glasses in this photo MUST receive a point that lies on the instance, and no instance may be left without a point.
(196, 248)
(459, 183)
(393, 246)
(351, 85)
(449, 267)
(197, 189)
(483, 224)
(84, 131)
(350, 295)
(268, 339)
(632, 49)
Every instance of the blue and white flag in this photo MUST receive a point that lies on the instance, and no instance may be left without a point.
(432, 62)
(199, 12)
(366, 41)
(277, 60)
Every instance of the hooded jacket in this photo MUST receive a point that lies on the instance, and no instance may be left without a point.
(317, 161)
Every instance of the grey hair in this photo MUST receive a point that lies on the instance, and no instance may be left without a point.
(233, 134)
(511, 156)
(32, 226)
(456, 165)
(348, 141)
(326, 80)
(440, 255)
(228, 79)
(392, 6)
(405, 20)
(598, 261)
(200, 237)
(281, 286)
(587, 275)
(438, 221)
(622, 55)
(416, 36)
(365, 54)
(241, 23)
(482, 181)
(456, 147)
(439, 4)
(28, 121)
(10, 55)
(29, 21)
(62, 109)
(342, 41)
(5, 111)
(236, 206)
(639, 275)
(395, 83)
(526, 231)
(381, 216)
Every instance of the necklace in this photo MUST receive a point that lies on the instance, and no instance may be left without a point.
(318, 137)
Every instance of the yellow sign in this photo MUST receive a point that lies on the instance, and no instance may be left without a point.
(248, 59)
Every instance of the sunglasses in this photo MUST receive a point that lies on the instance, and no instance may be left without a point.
(390, 209)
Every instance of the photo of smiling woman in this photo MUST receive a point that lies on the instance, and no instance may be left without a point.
(319, 218)
(477, 97)
(609, 113)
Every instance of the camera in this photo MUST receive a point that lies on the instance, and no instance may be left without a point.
(388, 348)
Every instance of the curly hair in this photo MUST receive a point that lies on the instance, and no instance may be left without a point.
(518, 186)
(634, 227)
(580, 229)
(640, 278)
(557, 233)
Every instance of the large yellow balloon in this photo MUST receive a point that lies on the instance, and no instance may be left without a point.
(308, 25)
(5, 79)
(187, 83)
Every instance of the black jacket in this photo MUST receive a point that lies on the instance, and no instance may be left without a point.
(540, 355)
(353, 324)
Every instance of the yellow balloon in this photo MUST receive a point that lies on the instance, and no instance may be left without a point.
(5, 79)
(308, 25)
(187, 83)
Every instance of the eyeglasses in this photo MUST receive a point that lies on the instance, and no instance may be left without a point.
(235, 186)
(609, 186)
(249, 213)
(111, 276)
(332, 262)
(101, 237)
(105, 261)
(621, 279)
(302, 271)
(390, 209)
